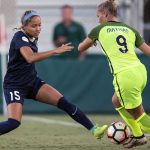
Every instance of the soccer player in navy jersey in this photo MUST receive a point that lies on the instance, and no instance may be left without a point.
(21, 80)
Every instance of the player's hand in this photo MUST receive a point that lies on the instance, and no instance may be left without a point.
(64, 48)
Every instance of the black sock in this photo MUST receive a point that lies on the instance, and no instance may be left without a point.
(9, 125)
(75, 113)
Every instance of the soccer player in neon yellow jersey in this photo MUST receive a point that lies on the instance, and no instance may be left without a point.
(118, 42)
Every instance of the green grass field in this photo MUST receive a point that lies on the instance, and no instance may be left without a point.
(34, 135)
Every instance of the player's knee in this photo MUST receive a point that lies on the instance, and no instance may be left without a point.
(115, 101)
(13, 123)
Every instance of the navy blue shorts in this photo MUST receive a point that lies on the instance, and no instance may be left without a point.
(18, 94)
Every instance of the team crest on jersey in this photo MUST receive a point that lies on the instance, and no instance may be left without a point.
(25, 39)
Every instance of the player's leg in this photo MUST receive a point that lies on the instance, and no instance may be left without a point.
(127, 117)
(141, 118)
(14, 118)
(129, 85)
(15, 111)
(132, 89)
(14, 100)
(49, 95)
(138, 137)
(14, 108)
(138, 113)
(129, 94)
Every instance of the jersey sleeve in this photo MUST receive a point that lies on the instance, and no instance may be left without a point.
(93, 35)
(139, 40)
(21, 40)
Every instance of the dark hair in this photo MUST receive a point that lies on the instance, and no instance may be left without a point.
(25, 22)
(109, 6)
(66, 6)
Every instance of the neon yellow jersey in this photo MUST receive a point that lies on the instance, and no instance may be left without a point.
(118, 42)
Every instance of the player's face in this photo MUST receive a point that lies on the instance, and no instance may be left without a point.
(102, 17)
(33, 28)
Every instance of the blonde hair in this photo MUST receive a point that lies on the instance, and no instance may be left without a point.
(109, 6)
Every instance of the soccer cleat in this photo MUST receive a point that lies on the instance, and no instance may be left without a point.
(98, 131)
(135, 141)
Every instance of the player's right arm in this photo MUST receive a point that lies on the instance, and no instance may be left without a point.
(90, 40)
(85, 44)
(31, 57)
(145, 49)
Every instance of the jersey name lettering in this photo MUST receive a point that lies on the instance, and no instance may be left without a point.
(117, 29)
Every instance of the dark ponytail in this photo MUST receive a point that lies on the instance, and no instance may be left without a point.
(26, 18)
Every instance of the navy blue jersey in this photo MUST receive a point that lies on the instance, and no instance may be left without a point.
(19, 72)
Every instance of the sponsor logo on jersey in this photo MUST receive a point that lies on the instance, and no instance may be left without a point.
(25, 39)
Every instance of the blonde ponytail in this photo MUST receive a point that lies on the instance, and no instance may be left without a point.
(109, 6)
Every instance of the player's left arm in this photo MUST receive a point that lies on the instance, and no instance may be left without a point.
(145, 49)
(85, 44)
(140, 43)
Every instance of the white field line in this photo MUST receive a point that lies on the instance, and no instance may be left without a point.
(56, 122)
(147, 134)
(50, 121)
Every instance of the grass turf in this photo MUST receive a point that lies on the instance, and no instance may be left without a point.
(43, 136)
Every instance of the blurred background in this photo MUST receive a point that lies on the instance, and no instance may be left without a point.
(85, 81)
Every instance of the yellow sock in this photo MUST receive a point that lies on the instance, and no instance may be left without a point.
(144, 122)
(135, 127)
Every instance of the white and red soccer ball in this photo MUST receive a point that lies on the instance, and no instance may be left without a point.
(118, 132)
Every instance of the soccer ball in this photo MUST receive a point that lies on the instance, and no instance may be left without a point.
(118, 132)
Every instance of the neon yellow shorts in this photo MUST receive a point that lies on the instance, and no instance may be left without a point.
(129, 85)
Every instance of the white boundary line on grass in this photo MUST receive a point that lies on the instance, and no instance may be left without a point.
(147, 134)
(56, 122)
(50, 121)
